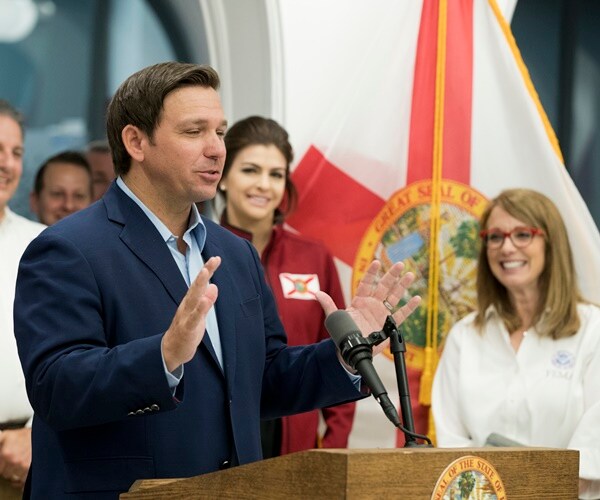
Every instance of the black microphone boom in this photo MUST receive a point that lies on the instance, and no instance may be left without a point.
(357, 351)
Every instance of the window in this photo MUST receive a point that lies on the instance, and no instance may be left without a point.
(61, 64)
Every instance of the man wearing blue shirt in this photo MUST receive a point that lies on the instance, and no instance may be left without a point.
(150, 342)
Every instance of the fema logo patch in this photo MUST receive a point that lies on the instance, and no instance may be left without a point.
(563, 360)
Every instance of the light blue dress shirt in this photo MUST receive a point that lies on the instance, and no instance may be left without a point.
(189, 265)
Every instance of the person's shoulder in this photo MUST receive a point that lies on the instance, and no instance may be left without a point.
(32, 227)
(217, 233)
(87, 226)
(464, 327)
(214, 228)
(22, 227)
(587, 336)
(588, 309)
(588, 313)
(301, 242)
(461, 338)
(468, 320)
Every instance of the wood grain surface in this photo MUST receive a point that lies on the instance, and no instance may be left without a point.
(527, 473)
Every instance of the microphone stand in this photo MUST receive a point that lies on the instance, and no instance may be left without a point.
(398, 348)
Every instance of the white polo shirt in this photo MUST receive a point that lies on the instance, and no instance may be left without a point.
(16, 233)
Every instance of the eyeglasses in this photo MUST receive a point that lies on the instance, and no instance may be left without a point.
(520, 236)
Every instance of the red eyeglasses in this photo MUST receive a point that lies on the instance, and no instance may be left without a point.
(520, 236)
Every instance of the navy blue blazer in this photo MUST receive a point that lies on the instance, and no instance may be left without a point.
(95, 294)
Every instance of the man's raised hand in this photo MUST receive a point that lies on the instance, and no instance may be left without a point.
(187, 329)
(376, 298)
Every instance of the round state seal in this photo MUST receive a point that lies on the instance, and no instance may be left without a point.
(401, 232)
(469, 477)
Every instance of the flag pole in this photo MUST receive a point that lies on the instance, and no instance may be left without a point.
(435, 214)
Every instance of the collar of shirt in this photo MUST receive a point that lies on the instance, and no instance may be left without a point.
(195, 227)
(8, 217)
(189, 264)
(276, 235)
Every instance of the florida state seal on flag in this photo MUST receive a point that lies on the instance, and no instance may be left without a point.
(434, 118)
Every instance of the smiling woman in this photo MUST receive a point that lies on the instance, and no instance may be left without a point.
(517, 261)
(258, 193)
(526, 364)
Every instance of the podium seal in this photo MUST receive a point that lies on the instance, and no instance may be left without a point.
(469, 477)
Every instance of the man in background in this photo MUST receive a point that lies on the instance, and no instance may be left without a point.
(15, 234)
(63, 185)
(103, 171)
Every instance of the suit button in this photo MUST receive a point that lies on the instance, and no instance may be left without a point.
(155, 407)
(131, 413)
(225, 465)
(139, 412)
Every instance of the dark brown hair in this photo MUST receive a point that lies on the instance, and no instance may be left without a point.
(139, 101)
(267, 132)
(98, 146)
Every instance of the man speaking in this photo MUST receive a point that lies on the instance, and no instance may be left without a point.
(149, 339)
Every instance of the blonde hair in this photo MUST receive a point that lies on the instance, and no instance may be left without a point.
(556, 315)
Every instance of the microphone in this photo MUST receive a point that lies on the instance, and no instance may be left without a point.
(357, 351)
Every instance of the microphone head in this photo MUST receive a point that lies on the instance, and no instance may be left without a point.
(340, 326)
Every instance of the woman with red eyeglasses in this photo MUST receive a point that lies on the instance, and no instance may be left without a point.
(525, 366)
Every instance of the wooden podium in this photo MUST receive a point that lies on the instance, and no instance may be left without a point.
(410, 474)
(7, 492)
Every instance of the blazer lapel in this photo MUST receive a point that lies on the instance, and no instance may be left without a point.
(144, 240)
(225, 309)
(152, 250)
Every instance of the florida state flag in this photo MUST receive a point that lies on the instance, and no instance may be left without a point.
(437, 116)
